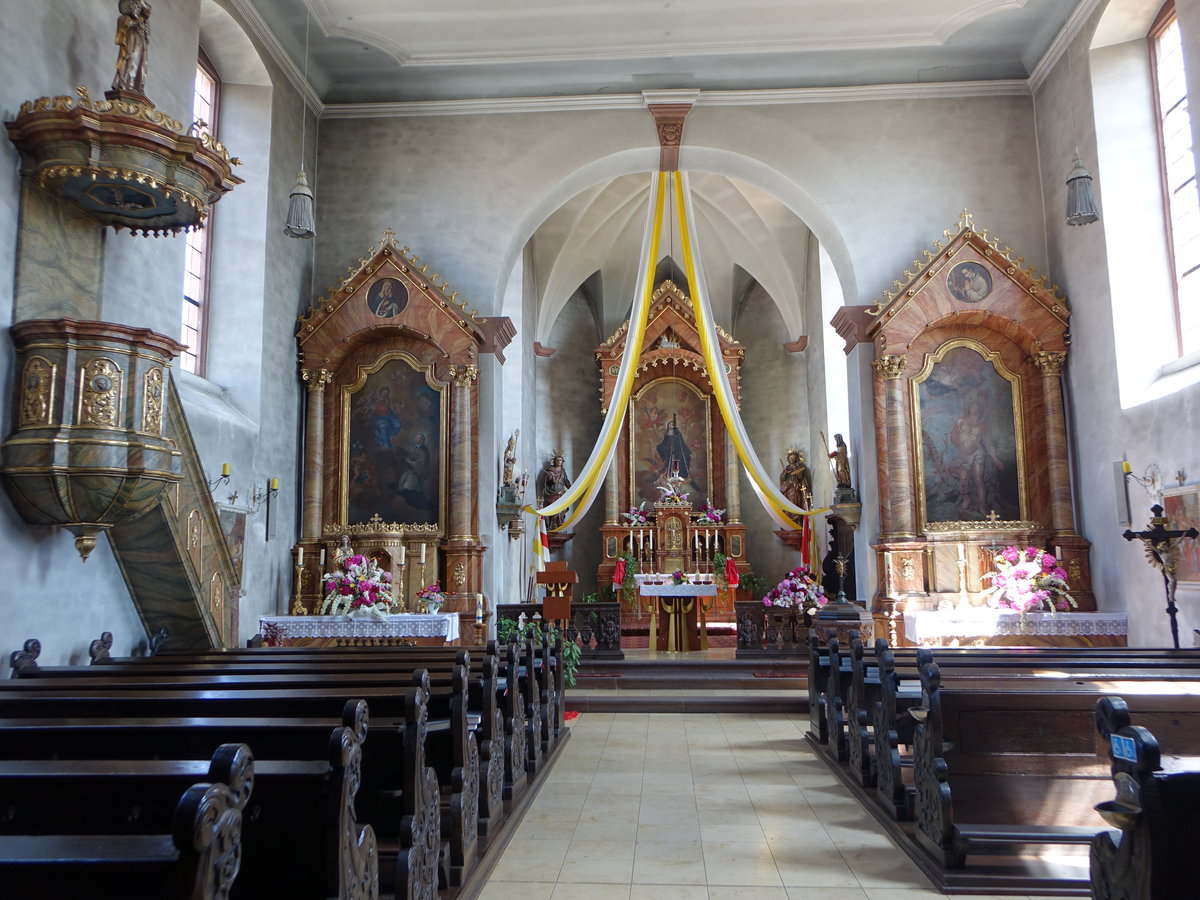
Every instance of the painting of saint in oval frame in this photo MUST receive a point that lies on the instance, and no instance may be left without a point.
(969, 282)
(393, 455)
(970, 452)
(387, 297)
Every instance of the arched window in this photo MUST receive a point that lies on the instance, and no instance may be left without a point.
(1181, 200)
(206, 105)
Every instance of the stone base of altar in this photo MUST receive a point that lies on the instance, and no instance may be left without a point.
(402, 630)
(976, 627)
(362, 642)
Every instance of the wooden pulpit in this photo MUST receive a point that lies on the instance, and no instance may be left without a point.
(559, 582)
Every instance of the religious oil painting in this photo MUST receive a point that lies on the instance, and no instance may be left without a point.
(233, 523)
(968, 421)
(394, 445)
(969, 282)
(1182, 508)
(669, 434)
(387, 297)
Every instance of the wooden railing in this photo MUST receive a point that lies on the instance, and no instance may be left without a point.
(596, 626)
(769, 631)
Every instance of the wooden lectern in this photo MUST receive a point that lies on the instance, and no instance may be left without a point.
(559, 582)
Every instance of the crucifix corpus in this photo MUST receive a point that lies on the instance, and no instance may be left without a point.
(1162, 552)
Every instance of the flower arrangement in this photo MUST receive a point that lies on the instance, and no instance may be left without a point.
(677, 577)
(1028, 580)
(671, 493)
(637, 514)
(358, 583)
(432, 596)
(709, 515)
(797, 589)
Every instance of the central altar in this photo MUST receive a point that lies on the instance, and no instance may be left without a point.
(674, 458)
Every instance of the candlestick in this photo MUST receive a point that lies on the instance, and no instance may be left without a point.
(225, 470)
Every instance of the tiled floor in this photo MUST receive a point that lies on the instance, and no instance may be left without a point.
(697, 807)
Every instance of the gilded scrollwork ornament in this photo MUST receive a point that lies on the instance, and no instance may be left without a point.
(152, 401)
(37, 392)
(101, 393)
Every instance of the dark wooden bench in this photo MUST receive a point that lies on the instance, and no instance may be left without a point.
(454, 760)
(1150, 853)
(1020, 759)
(197, 859)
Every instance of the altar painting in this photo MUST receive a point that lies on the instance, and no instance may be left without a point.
(669, 431)
(968, 416)
(393, 446)
(1182, 509)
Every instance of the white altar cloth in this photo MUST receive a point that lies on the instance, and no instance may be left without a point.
(687, 589)
(934, 625)
(443, 625)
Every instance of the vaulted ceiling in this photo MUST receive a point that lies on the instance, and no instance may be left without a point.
(382, 50)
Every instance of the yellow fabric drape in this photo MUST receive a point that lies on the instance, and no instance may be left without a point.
(591, 479)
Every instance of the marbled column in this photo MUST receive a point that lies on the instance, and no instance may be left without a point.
(733, 483)
(462, 469)
(1050, 364)
(314, 451)
(901, 497)
(612, 494)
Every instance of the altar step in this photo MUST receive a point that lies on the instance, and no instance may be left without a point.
(711, 681)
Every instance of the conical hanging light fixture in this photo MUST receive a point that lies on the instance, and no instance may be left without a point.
(301, 217)
(1081, 199)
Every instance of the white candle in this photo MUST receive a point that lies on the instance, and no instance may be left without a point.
(422, 554)
(651, 541)
(478, 609)
(401, 560)
(630, 540)
(641, 541)
(1058, 553)
(322, 557)
(300, 556)
(697, 542)
(961, 553)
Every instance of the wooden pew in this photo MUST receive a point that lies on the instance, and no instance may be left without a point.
(198, 859)
(1000, 763)
(301, 811)
(456, 762)
(1151, 853)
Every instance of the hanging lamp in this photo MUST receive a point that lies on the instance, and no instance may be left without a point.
(301, 217)
(1081, 199)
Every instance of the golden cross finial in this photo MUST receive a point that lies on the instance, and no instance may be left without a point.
(389, 235)
(993, 516)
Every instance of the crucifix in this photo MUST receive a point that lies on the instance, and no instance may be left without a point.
(1162, 552)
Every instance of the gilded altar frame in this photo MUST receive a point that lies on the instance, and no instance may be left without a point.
(968, 292)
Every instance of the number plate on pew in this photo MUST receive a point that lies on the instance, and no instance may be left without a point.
(1124, 748)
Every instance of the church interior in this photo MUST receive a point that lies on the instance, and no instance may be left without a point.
(464, 291)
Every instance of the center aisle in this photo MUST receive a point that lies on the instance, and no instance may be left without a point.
(676, 807)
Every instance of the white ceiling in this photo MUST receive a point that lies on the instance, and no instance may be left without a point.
(384, 50)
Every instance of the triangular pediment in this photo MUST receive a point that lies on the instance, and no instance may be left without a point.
(969, 275)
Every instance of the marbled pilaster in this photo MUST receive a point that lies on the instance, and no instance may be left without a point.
(314, 451)
(901, 497)
(733, 483)
(1050, 364)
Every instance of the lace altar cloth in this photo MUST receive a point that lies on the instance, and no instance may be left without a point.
(276, 628)
(932, 624)
(687, 589)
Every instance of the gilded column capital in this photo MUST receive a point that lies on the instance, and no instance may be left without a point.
(890, 367)
(1049, 362)
(464, 376)
(316, 378)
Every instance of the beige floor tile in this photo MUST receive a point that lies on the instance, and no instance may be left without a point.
(570, 891)
(596, 871)
(612, 830)
(888, 894)
(826, 893)
(748, 863)
(607, 848)
(668, 892)
(741, 832)
(802, 865)
(523, 857)
(526, 890)
(665, 862)
(745, 892)
(687, 831)
(541, 830)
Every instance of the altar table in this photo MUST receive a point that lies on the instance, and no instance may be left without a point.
(683, 608)
(982, 626)
(402, 629)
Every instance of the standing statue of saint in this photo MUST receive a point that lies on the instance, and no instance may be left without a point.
(552, 483)
(133, 41)
(841, 462)
(795, 480)
(510, 459)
